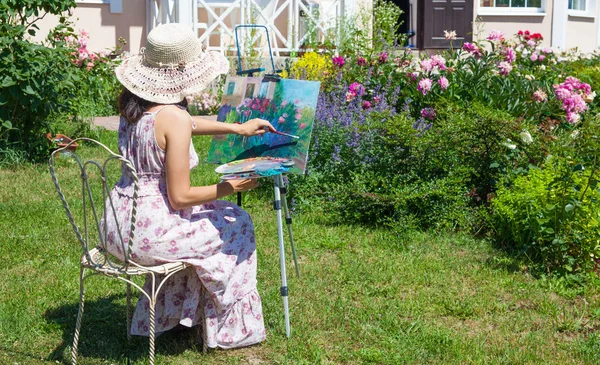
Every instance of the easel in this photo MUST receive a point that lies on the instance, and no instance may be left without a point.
(279, 187)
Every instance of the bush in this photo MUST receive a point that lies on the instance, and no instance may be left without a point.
(33, 75)
(552, 215)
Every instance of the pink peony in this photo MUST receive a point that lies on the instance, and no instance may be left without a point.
(382, 58)
(444, 83)
(534, 57)
(361, 61)
(495, 35)
(504, 68)
(424, 86)
(366, 104)
(338, 61)
(356, 88)
(509, 55)
(427, 65)
(540, 96)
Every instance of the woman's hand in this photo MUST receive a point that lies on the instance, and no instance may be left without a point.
(255, 127)
(242, 185)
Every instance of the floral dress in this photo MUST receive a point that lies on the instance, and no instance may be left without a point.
(217, 238)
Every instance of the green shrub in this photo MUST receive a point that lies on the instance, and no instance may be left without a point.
(552, 214)
(36, 80)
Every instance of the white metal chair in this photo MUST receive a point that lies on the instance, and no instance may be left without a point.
(95, 258)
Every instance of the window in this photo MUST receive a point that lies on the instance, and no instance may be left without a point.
(577, 5)
(514, 3)
(512, 7)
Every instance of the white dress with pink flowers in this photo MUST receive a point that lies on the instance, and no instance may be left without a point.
(217, 238)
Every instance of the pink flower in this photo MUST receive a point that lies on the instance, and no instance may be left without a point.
(427, 65)
(541, 58)
(495, 35)
(383, 56)
(356, 88)
(540, 96)
(376, 100)
(509, 55)
(428, 113)
(361, 61)
(298, 116)
(366, 104)
(338, 61)
(531, 43)
(472, 49)
(444, 83)
(439, 61)
(534, 57)
(89, 66)
(281, 120)
(424, 86)
(302, 125)
(504, 68)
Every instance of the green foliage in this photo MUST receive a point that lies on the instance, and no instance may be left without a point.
(553, 214)
(36, 80)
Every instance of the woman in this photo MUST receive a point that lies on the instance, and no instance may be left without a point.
(177, 221)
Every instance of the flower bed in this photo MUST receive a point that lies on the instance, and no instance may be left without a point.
(446, 141)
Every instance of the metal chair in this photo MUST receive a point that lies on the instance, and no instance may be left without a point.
(96, 258)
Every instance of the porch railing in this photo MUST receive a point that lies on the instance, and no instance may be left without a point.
(291, 23)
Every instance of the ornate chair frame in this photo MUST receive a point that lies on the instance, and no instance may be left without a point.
(95, 258)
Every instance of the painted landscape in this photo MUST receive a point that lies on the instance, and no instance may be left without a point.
(288, 104)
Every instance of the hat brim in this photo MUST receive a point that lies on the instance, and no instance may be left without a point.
(167, 85)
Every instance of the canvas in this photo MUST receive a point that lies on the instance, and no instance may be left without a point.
(288, 104)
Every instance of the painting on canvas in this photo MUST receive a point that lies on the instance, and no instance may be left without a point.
(288, 104)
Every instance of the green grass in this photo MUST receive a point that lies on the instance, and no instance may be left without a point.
(365, 296)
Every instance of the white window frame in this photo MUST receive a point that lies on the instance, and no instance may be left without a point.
(590, 6)
(116, 6)
(511, 11)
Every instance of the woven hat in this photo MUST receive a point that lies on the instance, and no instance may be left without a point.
(171, 66)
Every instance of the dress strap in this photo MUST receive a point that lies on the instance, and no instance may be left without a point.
(180, 107)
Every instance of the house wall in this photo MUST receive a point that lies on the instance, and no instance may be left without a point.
(105, 27)
(511, 24)
(582, 33)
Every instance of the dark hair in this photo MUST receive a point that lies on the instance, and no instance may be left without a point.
(132, 107)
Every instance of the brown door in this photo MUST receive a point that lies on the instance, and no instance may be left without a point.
(440, 15)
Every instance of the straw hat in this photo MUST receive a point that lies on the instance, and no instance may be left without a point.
(171, 67)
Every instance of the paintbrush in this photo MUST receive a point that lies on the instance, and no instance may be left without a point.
(281, 133)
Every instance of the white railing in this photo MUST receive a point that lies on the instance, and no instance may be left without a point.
(291, 23)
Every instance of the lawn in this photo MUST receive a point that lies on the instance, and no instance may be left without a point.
(365, 295)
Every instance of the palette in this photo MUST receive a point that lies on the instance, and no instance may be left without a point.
(253, 168)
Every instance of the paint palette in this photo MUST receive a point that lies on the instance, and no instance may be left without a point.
(253, 167)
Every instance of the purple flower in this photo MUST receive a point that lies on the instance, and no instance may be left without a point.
(361, 61)
(336, 154)
(383, 56)
(424, 86)
(366, 104)
(338, 61)
(428, 113)
(421, 125)
(444, 83)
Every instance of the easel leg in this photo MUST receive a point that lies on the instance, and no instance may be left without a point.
(288, 221)
(284, 289)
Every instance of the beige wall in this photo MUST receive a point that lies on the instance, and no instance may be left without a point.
(105, 27)
(511, 24)
(582, 33)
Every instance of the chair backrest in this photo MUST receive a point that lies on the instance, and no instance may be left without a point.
(94, 175)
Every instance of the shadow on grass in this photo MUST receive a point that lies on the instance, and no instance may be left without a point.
(103, 333)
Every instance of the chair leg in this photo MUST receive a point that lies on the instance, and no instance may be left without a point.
(152, 336)
(128, 310)
(79, 316)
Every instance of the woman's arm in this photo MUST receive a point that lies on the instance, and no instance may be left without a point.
(173, 128)
(205, 126)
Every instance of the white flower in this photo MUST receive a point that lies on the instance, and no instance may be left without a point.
(575, 133)
(530, 77)
(590, 97)
(526, 137)
(450, 35)
(509, 144)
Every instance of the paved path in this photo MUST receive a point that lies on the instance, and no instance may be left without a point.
(112, 123)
